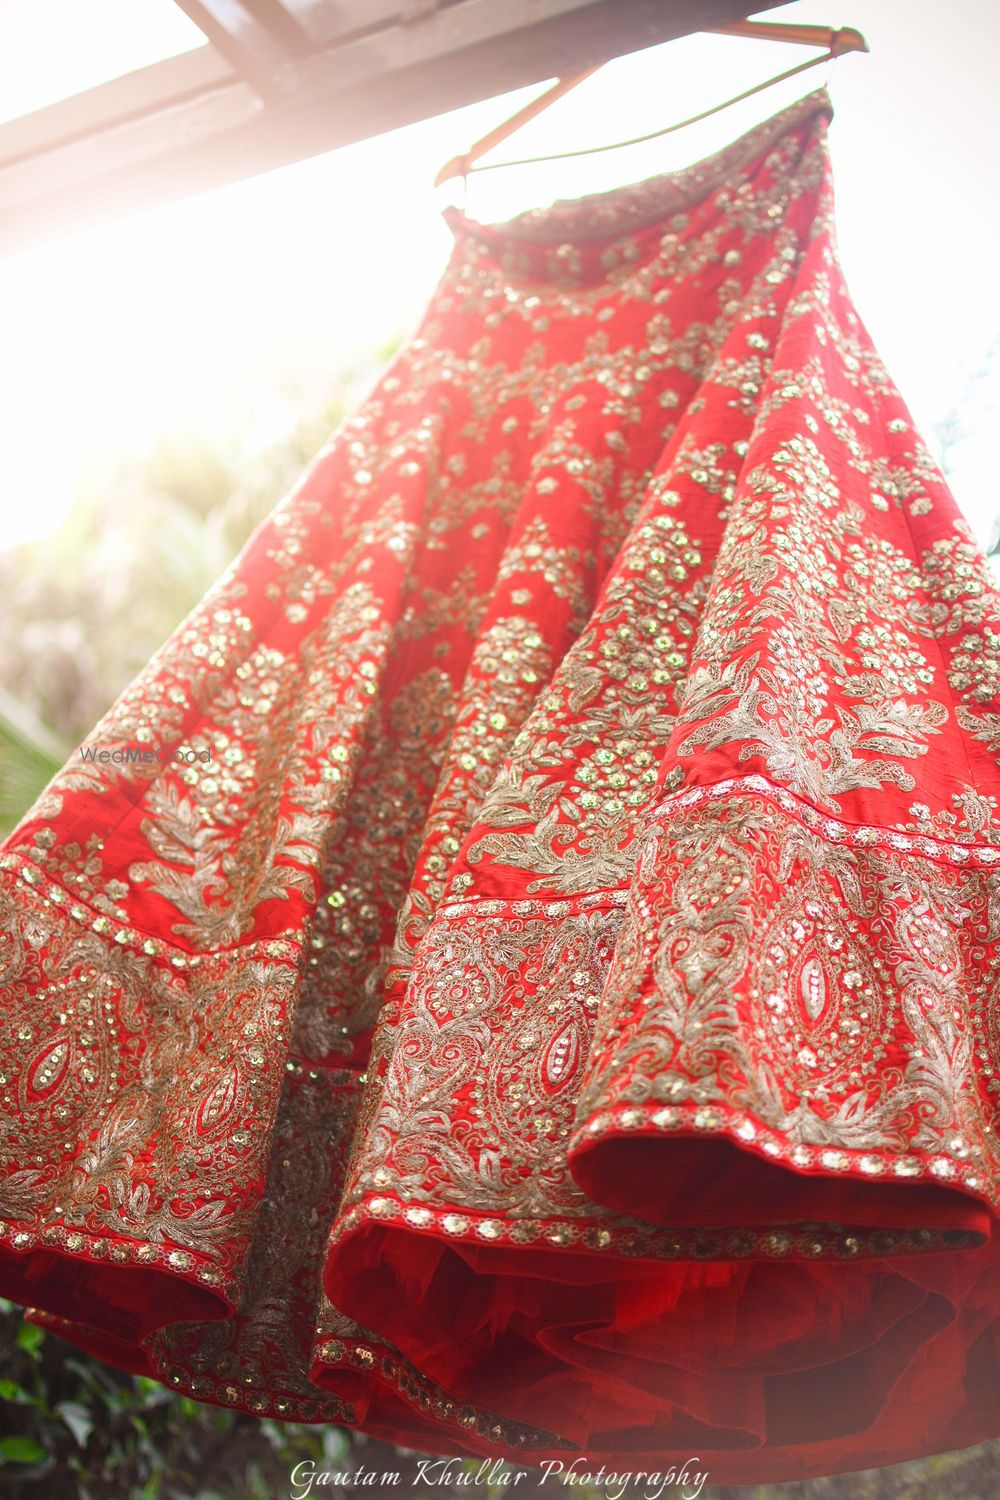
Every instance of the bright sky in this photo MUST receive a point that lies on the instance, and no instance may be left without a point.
(185, 314)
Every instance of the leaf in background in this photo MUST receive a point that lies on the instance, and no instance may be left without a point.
(30, 1338)
(17, 1395)
(77, 1418)
(20, 1450)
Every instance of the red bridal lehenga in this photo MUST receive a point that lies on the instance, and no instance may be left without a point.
(538, 994)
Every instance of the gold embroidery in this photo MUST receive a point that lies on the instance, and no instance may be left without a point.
(604, 690)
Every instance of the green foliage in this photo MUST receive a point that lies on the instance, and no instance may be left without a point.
(76, 1429)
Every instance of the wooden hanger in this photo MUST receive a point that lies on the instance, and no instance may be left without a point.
(836, 40)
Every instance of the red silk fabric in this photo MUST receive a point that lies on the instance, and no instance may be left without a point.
(534, 993)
